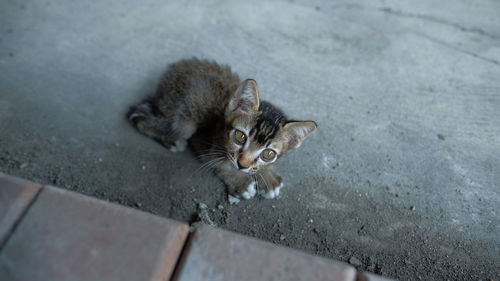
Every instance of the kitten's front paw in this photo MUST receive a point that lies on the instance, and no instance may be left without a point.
(250, 191)
(270, 184)
(273, 193)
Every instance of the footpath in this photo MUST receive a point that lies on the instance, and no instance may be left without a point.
(48, 233)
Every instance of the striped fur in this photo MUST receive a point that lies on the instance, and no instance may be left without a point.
(206, 103)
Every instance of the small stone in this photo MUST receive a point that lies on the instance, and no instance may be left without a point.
(23, 165)
(412, 208)
(441, 137)
(282, 237)
(143, 167)
(204, 216)
(138, 204)
(100, 159)
(355, 261)
(233, 200)
(273, 206)
(220, 207)
(310, 220)
(407, 261)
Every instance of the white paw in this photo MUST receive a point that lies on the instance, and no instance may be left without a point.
(179, 146)
(250, 191)
(273, 193)
(232, 200)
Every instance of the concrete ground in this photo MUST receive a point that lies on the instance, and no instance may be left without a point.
(401, 178)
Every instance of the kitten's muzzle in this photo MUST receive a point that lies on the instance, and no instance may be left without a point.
(241, 167)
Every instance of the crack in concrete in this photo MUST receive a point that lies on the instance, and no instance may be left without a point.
(474, 30)
(447, 45)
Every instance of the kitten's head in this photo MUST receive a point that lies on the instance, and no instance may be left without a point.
(257, 133)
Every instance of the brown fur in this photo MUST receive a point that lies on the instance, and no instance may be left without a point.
(206, 103)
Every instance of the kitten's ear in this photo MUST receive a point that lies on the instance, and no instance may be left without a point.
(296, 131)
(246, 97)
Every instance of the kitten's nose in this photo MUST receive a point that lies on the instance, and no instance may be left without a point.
(240, 166)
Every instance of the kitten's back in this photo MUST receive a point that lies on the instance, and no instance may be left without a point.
(196, 89)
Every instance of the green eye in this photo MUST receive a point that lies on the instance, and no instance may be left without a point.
(240, 137)
(268, 155)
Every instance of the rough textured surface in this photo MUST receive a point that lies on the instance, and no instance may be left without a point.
(68, 236)
(15, 196)
(214, 254)
(402, 176)
(371, 277)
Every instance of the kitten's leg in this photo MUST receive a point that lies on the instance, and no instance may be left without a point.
(239, 184)
(269, 183)
(184, 130)
(150, 121)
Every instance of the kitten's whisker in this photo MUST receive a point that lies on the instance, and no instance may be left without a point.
(200, 169)
(230, 157)
(212, 164)
(216, 162)
(209, 164)
(201, 152)
(210, 155)
(211, 149)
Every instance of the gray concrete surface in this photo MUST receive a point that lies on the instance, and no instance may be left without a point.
(401, 178)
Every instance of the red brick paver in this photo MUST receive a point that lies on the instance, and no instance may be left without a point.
(215, 254)
(54, 234)
(69, 236)
(15, 196)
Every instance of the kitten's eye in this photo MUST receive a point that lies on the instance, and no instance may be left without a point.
(240, 137)
(268, 155)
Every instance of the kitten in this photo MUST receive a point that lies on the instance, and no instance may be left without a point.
(225, 122)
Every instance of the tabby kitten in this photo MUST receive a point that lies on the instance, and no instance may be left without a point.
(225, 122)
